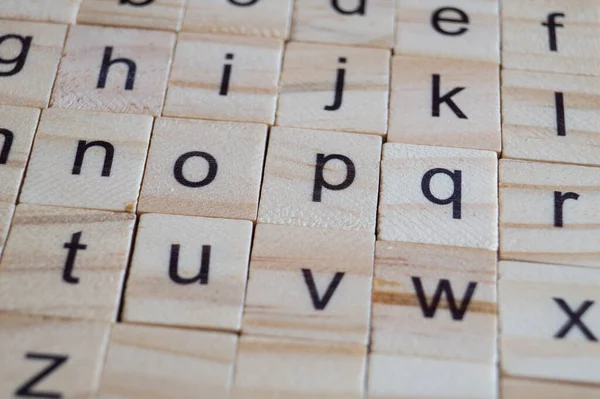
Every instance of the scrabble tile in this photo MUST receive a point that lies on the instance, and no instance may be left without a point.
(298, 369)
(436, 195)
(363, 23)
(87, 160)
(29, 56)
(114, 70)
(549, 213)
(61, 11)
(450, 103)
(156, 362)
(516, 388)
(462, 29)
(551, 35)
(6, 214)
(17, 128)
(153, 14)
(310, 284)
(326, 180)
(267, 18)
(551, 117)
(204, 168)
(76, 267)
(334, 88)
(44, 358)
(220, 77)
(550, 322)
(189, 271)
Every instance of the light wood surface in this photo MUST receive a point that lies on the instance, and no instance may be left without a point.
(60, 11)
(6, 214)
(517, 388)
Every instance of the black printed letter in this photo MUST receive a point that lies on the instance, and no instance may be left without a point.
(574, 319)
(559, 201)
(26, 390)
(561, 127)
(201, 277)
(226, 76)
(210, 176)
(133, 3)
(321, 303)
(339, 87)
(361, 9)
(552, 25)
(19, 60)
(107, 63)
(455, 199)
(437, 17)
(320, 180)
(83, 146)
(243, 3)
(436, 100)
(73, 247)
(8, 140)
(443, 287)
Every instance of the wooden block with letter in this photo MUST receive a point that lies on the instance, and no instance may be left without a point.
(334, 88)
(87, 160)
(6, 215)
(65, 262)
(57, 11)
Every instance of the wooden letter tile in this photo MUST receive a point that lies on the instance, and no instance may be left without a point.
(6, 214)
(222, 77)
(41, 358)
(319, 179)
(437, 195)
(549, 213)
(87, 160)
(334, 88)
(155, 14)
(158, 362)
(114, 70)
(204, 168)
(63, 11)
(550, 322)
(29, 56)
(298, 369)
(519, 388)
(267, 18)
(189, 271)
(361, 22)
(445, 103)
(65, 262)
(310, 284)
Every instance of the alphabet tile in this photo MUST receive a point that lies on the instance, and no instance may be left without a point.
(517, 388)
(326, 180)
(62, 11)
(87, 160)
(6, 214)
(310, 284)
(17, 128)
(65, 262)
(189, 271)
(267, 18)
(551, 36)
(551, 117)
(220, 77)
(363, 23)
(549, 213)
(299, 369)
(334, 88)
(437, 195)
(114, 70)
(445, 103)
(57, 359)
(461, 29)
(158, 362)
(550, 322)
(29, 56)
(204, 168)
(151, 14)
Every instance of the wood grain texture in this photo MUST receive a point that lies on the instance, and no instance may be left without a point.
(309, 82)
(238, 151)
(58, 11)
(153, 296)
(50, 179)
(6, 215)
(517, 388)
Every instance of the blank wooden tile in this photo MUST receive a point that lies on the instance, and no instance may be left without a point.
(154, 14)
(221, 77)
(334, 88)
(551, 35)
(6, 214)
(549, 213)
(63, 11)
(47, 358)
(189, 271)
(320, 179)
(310, 284)
(17, 128)
(462, 29)
(551, 117)
(157, 362)
(298, 369)
(29, 55)
(267, 18)
(363, 23)
(114, 70)
(204, 168)
(87, 160)
(445, 103)
(74, 269)
(550, 321)
(437, 195)
(517, 388)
